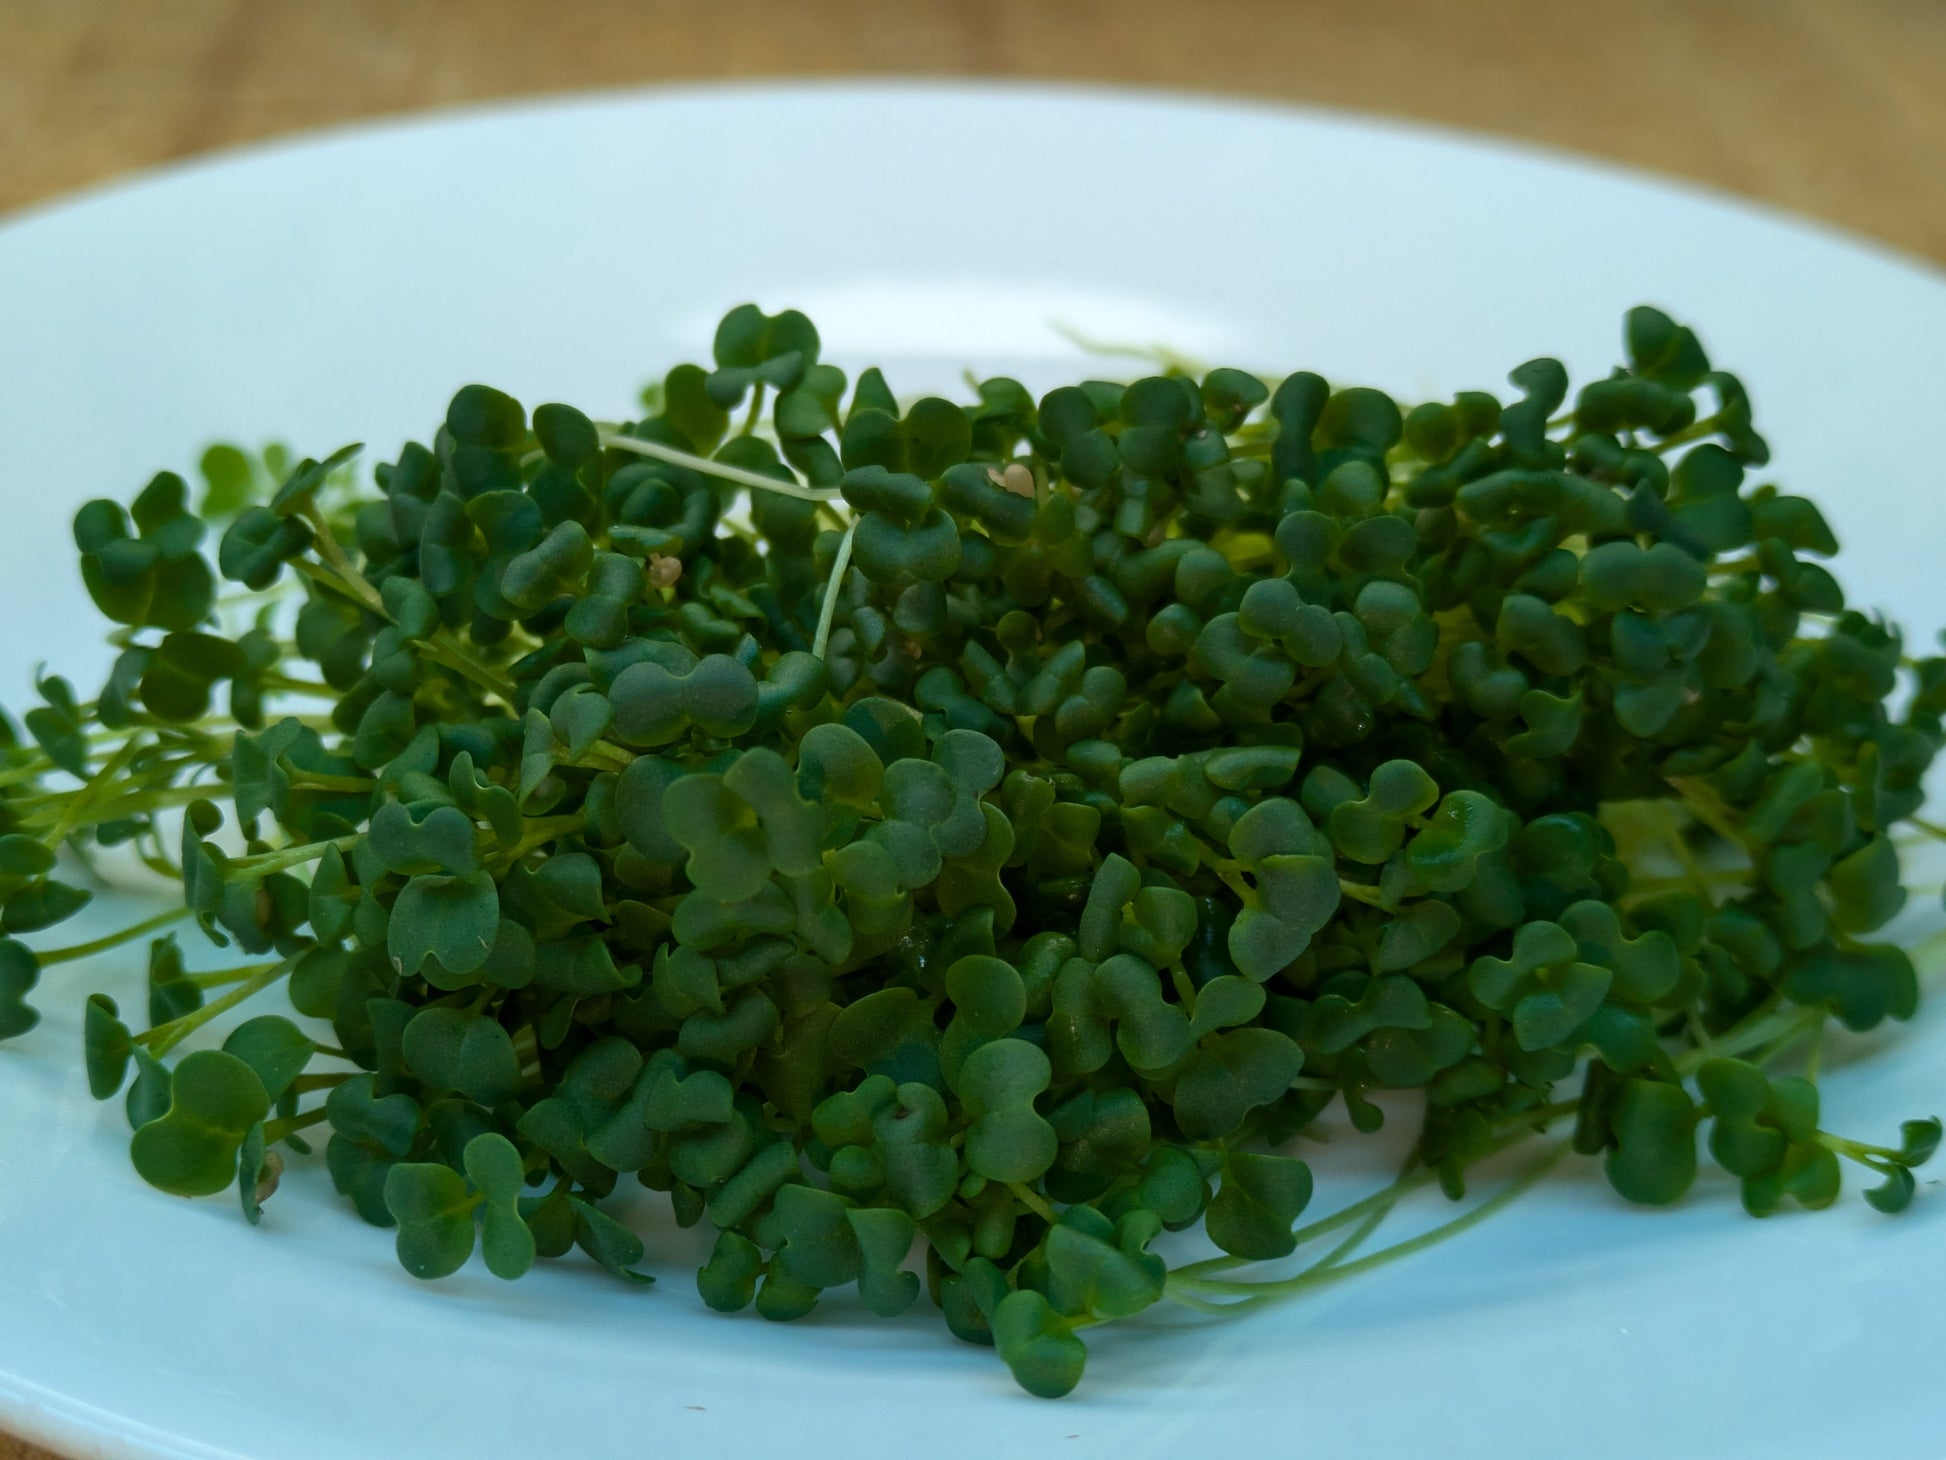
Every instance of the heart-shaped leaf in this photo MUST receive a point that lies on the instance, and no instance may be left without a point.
(1038, 1345)
(470, 1054)
(494, 1169)
(192, 1150)
(434, 1211)
(1253, 1210)
(1008, 1140)
(107, 1045)
(19, 972)
(453, 919)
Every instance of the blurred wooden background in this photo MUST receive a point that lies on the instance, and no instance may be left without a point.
(1834, 108)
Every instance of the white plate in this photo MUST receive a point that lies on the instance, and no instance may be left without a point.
(342, 286)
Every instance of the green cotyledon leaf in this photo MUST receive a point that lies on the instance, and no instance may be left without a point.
(191, 1150)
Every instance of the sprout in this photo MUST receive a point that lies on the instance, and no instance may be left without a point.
(991, 829)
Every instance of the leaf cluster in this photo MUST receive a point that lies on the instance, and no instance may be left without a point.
(988, 831)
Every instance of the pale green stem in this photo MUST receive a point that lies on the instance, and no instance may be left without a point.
(444, 649)
(334, 557)
(288, 685)
(160, 799)
(609, 755)
(1702, 802)
(1161, 355)
(111, 940)
(165, 1037)
(539, 833)
(756, 481)
(90, 794)
(828, 611)
(1252, 1295)
(281, 1130)
(441, 647)
(1031, 1199)
(264, 863)
(319, 781)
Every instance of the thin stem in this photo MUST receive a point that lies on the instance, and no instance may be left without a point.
(721, 470)
(829, 609)
(1704, 877)
(279, 1130)
(159, 799)
(111, 940)
(319, 781)
(1694, 432)
(1527, 1123)
(33, 762)
(1252, 1295)
(1183, 984)
(288, 685)
(1355, 1239)
(1352, 1240)
(1507, 1194)
(1788, 1040)
(1926, 949)
(1702, 802)
(1765, 1024)
(1857, 1150)
(1228, 871)
(160, 865)
(333, 556)
(323, 576)
(39, 766)
(1672, 829)
(264, 863)
(1161, 355)
(91, 793)
(1541, 1116)
(223, 977)
(441, 647)
(444, 649)
(1697, 1032)
(1382, 1199)
(165, 1037)
(1184, 1297)
(1031, 1199)
(539, 833)
(607, 754)
(310, 1084)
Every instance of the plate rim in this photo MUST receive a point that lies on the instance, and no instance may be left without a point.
(922, 86)
(40, 1415)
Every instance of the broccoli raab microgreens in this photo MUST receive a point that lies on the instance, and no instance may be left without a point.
(989, 831)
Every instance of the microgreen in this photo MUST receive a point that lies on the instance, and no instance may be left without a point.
(987, 832)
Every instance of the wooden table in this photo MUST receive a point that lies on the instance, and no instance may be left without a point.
(1831, 107)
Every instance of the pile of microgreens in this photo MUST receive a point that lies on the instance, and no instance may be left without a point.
(998, 829)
